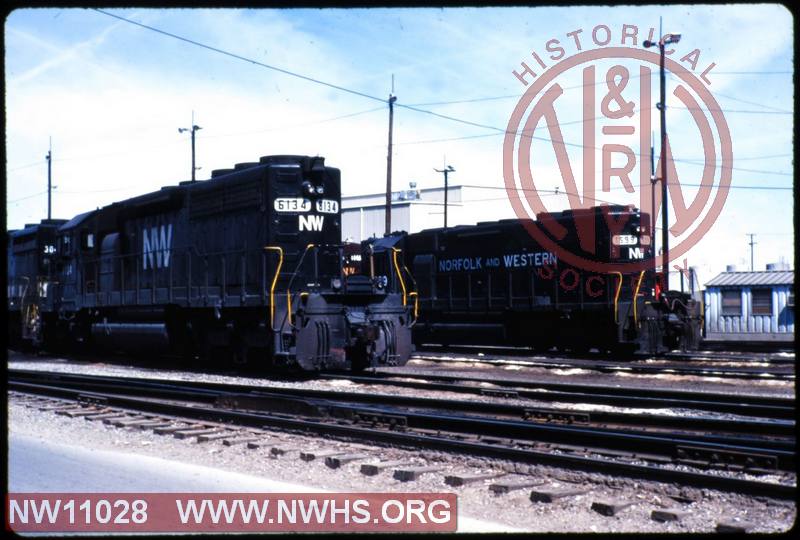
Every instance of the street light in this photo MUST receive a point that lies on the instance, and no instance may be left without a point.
(193, 129)
(666, 39)
(446, 170)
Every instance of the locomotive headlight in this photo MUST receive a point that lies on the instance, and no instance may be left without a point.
(336, 284)
(320, 190)
(308, 187)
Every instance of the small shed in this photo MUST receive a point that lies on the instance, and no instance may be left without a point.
(753, 307)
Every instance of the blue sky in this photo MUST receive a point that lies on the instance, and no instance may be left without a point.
(112, 95)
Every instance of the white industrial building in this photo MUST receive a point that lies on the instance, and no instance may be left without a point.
(413, 210)
(751, 306)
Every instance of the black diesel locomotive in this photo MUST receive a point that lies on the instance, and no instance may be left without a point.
(494, 284)
(246, 267)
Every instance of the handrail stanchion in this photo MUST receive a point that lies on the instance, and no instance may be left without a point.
(395, 251)
(274, 283)
(635, 296)
(616, 297)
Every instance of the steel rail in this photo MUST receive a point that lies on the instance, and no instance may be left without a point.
(263, 399)
(688, 356)
(743, 405)
(782, 373)
(488, 449)
(612, 438)
(762, 428)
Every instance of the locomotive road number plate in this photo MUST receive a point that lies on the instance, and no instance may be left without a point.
(625, 240)
(292, 205)
(328, 206)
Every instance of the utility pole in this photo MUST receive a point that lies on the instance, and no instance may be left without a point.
(392, 99)
(49, 158)
(653, 181)
(752, 267)
(665, 40)
(447, 169)
(193, 129)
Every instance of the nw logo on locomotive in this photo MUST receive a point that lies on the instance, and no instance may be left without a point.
(156, 242)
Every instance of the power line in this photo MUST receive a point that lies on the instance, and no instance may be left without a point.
(731, 111)
(749, 158)
(362, 94)
(522, 134)
(239, 57)
(120, 153)
(292, 126)
(753, 72)
(129, 152)
(634, 76)
(508, 96)
(684, 160)
(82, 192)
(740, 100)
(28, 197)
(96, 190)
(40, 162)
(576, 145)
(565, 143)
(521, 189)
(571, 122)
(511, 96)
(733, 98)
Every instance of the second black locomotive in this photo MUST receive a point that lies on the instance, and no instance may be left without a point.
(495, 283)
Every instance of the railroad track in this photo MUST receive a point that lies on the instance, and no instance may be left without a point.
(250, 394)
(782, 372)
(774, 407)
(413, 424)
(776, 358)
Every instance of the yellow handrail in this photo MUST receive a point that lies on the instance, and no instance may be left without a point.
(616, 296)
(416, 303)
(395, 251)
(289, 292)
(636, 295)
(274, 282)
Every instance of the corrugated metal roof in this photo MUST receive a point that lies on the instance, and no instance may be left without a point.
(746, 279)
